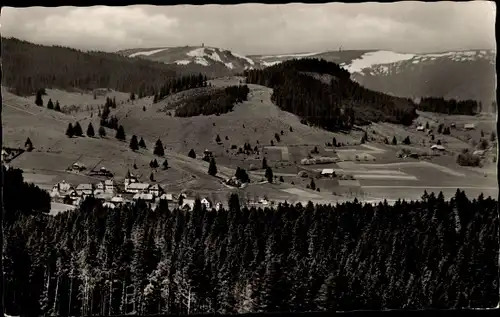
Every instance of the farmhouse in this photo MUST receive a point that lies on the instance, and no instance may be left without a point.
(437, 147)
(420, 128)
(109, 186)
(61, 188)
(219, 206)
(135, 188)
(84, 189)
(78, 167)
(109, 205)
(167, 197)
(117, 199)
(155, 190)
(207, 203)
(188, 204)
(469, 126)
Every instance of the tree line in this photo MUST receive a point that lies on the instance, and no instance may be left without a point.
(28, 67)
(449, 106)
(336, 105)
(215, 101)
(429, 253)
(176, 85)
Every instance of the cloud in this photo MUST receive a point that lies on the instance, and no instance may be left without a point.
(262, 29)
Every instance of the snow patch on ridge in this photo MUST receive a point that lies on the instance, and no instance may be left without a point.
(148, 53)
(374, 58)
(182, 62)
(251, 62)
(291, 55)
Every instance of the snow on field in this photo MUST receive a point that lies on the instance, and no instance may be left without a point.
(147, 53)
(291, 55)
(182, 62)
(251, 62)
(56, 208)
(375, 58)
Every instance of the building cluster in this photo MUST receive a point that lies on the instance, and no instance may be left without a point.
(133, 190)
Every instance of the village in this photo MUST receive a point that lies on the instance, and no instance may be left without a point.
(114, 195)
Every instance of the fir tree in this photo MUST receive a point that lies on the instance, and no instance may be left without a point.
(132, 96)
(134, 144)
(151, 177)
(142, 144)
(394, 141)
(38, 99)
(28, 145)
(269, 174)
(102, 132)
(165, 164)
(407, 140)
(50, 105)
(70, 131)
(217, 139)
(334, 141)
(120, 133)
(264, 163)
(212, 168)
(77, 129)
(90, 130)
(57, 106)
(158, 150)
(312, 184)
(191, 154)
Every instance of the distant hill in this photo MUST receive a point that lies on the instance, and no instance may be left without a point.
(452, 75)
(28, 67)
(458, 75)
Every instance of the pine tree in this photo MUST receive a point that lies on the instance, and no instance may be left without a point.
(142, 144)
(334, 141)
(155, 98)
(38, 99)
(151, 177)
(217, 139)
(132, 96)
(134, 144)
(264, 163)
(269, 174)
(407, 140)
(120, 133)
(427, 125)
(493, 136)
(312, 184)
(90, 130)
(28, 145)
(102, 132)
(394, 141)
(158, 150)
(191, 154)
(212, 168)
(70, 131)
(58, 106)
(165, 164)
(50, 105)
(77, 129)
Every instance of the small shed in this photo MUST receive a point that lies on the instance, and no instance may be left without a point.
(420, 128)
(327, 171)
(437, 147)
(469, 126)
(207, 203)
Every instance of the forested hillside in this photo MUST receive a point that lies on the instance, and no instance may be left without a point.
(27, 67)
(430, 253)
(452, 106)
(214, 101)
(334, 105)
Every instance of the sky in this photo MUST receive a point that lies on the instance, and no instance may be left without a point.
(407, 27)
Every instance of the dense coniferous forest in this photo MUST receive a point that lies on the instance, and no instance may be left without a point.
(28, 67)
(430, 253)
(334, 105)
(452, 106)
(176, 85)
(215, 101)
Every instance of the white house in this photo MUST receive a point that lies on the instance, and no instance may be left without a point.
(155, 190)
(109, 186)
(207, 203)
(117, 199)
(61, 189)
(84, 189)
(469, 126)
(218, 206)
(4, 155)
(420, 128)
(264, 202)
(135, 188)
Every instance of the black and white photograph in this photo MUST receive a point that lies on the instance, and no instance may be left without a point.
(249, 158)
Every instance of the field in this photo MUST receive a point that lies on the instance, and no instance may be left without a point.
(370, 171)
